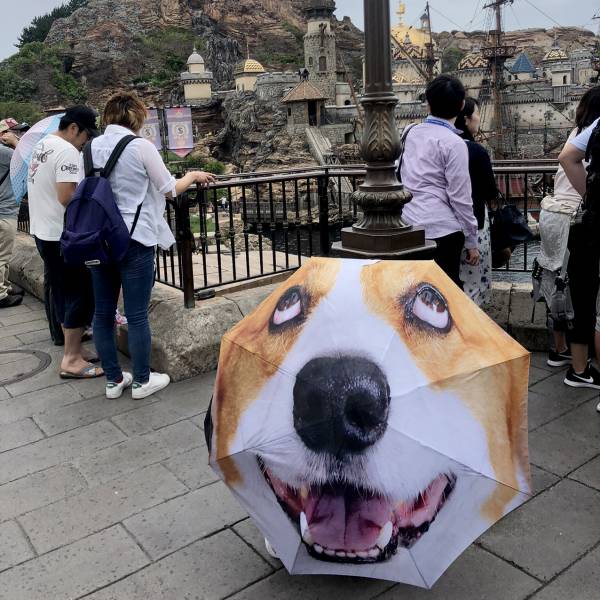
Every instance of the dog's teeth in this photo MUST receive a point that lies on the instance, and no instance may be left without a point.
(385, 535)
(318, 549)
(304, 492)
(351, 554)
(362, 554)
(304, 530)
(341, 554)
(373, 552)
(329, 552)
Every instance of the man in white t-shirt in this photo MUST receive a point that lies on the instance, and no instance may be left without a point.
(54, 173)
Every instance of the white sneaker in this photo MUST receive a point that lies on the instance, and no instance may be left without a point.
(598, 408)
(157, 382)
(115, 390)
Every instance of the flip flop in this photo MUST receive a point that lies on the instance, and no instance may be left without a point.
(89, 372)
(94, 360)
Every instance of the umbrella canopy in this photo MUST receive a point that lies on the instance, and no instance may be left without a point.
(372, 420)
(19, 164)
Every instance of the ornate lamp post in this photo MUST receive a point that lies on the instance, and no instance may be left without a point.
(381, 232)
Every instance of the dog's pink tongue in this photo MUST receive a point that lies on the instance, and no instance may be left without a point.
(346, 521)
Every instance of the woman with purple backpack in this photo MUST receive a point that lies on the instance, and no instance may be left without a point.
(140, 183)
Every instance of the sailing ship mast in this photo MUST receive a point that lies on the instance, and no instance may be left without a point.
(430, 60)
(497, 52)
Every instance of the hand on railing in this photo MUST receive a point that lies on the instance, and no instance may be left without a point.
(202, 179)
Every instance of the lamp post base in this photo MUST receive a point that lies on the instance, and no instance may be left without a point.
(403, 245)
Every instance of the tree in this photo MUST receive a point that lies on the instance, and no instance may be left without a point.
(40, 26)
(452, 56)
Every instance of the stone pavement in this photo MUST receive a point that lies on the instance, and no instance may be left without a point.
(112, 500)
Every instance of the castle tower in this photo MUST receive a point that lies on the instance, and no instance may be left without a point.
(197, 81)
(320, 48)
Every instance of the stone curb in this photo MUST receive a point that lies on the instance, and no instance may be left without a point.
(186, 342)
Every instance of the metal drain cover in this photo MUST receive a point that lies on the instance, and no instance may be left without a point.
(18, 365)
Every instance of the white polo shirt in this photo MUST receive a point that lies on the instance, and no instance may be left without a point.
(139, 176)
(53, 161)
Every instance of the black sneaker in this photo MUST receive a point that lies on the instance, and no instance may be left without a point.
(559, 359)
(590, 378)
(11, 301)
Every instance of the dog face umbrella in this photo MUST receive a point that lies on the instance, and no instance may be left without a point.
(372, 420)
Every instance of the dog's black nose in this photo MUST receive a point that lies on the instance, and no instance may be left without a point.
(341, 404)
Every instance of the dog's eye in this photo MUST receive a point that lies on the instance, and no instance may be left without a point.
(290, 310)
(429, 309)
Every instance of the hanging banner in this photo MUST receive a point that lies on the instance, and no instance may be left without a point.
(179, 126)
(151, 129)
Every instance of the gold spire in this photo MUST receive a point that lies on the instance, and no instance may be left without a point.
(401, 12)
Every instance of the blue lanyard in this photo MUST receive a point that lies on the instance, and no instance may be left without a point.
(436, 121)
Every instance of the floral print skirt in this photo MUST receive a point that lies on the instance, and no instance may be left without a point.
(477, 281)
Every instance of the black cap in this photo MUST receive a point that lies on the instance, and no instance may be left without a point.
(83, 116)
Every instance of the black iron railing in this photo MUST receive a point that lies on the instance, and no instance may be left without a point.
(251, 226)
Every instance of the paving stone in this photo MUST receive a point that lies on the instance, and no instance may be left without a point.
(541, 480)
(76, 570)
(148, 418)
(538, 360)
(14, 548)
(579, 582)
(190, 397)
(32, 303)
(180, 437)
(37, 490)
(35, 337)
(543, 409)
(589, 474)
(567, 442)
(251, 534)
(476, 575)
(15, 310)
(283, 585)
(536, 375)
(550, 532)
(18, 434)
(58, 449)
(192, 468)
(23, 316)
(136, 453)
(21, 407)
(554, 388)
(11, 342)
(96, 508)
(64, 418)
(179, 522)
(212, 568)
(12, 330)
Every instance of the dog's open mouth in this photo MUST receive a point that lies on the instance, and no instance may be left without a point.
(342, 523)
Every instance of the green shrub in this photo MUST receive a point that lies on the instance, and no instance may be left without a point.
(21, 111)
(40, 26)
(18, 74)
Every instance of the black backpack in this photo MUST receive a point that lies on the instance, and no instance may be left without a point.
(591, 203)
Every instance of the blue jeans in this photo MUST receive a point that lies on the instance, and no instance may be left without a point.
(135, 274)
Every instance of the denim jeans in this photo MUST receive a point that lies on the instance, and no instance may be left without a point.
(135, 274)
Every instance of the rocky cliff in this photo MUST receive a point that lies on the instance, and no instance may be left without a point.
(115, 43)
(536, 42)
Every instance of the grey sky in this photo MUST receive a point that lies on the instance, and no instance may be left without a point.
(466, 14)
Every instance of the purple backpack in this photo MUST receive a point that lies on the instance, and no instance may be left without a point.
(95, 233)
